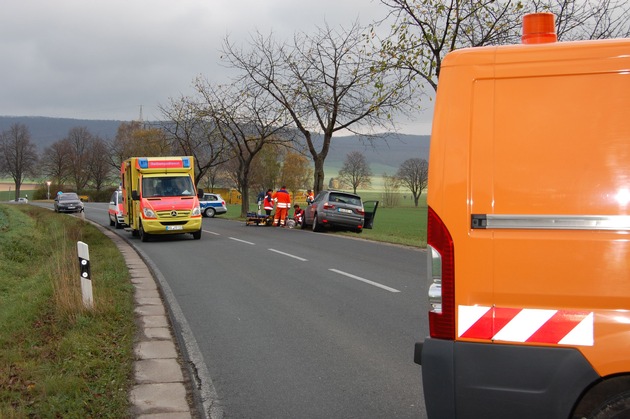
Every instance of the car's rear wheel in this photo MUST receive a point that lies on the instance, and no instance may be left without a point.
(316, 226)
(209, 212)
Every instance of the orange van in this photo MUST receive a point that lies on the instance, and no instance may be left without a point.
(529, 231)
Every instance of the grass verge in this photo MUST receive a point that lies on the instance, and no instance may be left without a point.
(405, 225)
(57, 358)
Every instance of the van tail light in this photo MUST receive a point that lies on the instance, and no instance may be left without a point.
(328, 206)
(360, 211)
(441, 278)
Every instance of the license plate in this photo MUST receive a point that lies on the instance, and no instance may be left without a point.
(346, 210)
(169, 228)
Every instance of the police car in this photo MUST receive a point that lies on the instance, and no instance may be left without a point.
(212, 204)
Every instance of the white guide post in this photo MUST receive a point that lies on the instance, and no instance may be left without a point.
(86, 281)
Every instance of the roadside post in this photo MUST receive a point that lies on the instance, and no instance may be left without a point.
(86, 282)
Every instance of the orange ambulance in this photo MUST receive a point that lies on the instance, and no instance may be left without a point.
(529, 231)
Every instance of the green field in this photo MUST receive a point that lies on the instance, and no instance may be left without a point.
(404, 224)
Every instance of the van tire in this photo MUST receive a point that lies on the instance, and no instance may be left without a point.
(144, 236)
(111, 223)
(617, 406)
(197, 235)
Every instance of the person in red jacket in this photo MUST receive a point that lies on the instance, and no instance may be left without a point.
(283, 203)
(298, 215)
(268, 202)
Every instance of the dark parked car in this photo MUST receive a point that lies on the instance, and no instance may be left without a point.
(68, 202)
(339, 210)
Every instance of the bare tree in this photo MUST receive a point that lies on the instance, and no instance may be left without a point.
(424, 31)
(55, 162)
(391, 185)
(192, 134)
(414, 173)
(247, 119)
(99, 170)
(18, 156)
(355, 171)
(327, 82)
(79, 142)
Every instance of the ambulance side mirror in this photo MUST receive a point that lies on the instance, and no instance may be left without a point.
(199, 193)
(134, 195)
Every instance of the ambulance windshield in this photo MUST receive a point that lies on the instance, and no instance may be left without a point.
(167, 186)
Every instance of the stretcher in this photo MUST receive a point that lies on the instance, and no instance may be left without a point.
(258, 219)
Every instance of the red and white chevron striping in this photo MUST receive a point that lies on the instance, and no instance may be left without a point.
(563, 327)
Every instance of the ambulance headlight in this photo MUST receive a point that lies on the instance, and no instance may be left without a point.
(196, 211)
(148, 213)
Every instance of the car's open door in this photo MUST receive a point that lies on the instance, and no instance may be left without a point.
(370, 212)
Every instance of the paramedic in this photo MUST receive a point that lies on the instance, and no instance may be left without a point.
(283, 203)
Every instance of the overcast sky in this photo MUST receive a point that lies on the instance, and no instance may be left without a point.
(104, 59)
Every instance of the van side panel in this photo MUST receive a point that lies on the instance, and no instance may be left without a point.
(529, 170)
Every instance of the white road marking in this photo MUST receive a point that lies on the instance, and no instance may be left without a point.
(367, 281)
(239, 240)
(212, 232)
(289, 255)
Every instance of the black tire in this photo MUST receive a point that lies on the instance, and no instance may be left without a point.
(117, 224)
(144, 236)
(111, 222)
(616, 407)
(196, 235)
(316, 226)
(209, 212)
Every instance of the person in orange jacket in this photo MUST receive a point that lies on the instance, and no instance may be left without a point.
(283, 203)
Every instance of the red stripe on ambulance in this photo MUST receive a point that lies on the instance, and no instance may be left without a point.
(564, 327)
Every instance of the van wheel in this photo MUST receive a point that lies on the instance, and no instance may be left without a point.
(117, 224)
(617, 406)
(144, 236)
(197, 235)
(316, 226)
(111, 222)
(209, 212)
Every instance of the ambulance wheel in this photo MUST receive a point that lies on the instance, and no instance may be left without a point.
(196, 235)
(617, 406)
(111, 222)
(209, 212)
(144, 236)
(117, 224)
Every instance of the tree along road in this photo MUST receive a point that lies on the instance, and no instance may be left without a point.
(296, 324)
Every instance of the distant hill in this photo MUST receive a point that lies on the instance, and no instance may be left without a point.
(384, 155)
(45, 131)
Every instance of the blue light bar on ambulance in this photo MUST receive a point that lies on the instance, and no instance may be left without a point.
(186, 162)
(143, 163)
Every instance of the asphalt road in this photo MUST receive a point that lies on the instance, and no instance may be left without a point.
(296, 324)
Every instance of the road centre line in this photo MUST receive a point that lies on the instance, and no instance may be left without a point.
(242, 241)
(288, 254)
(367, 281)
